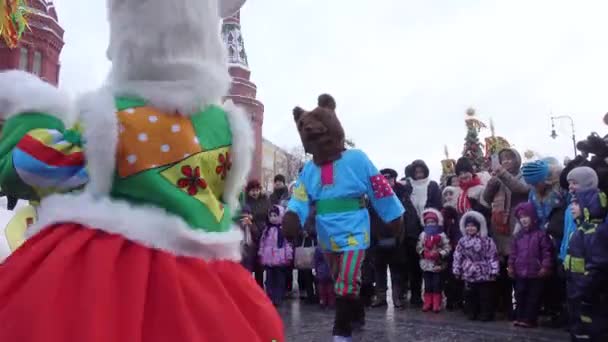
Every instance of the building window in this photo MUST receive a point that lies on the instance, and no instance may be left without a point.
(23, 56)
(37, 67)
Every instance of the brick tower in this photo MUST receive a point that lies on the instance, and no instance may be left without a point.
(39, 49)
(243, 91)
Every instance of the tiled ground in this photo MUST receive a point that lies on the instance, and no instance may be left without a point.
(308, 323)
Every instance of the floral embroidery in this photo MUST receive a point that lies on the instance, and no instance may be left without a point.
(225, 164)
(192, 181)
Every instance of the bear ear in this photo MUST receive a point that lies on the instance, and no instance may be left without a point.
(297, 113)
(326, 101)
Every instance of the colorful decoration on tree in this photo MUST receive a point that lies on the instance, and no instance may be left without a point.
(448, 166)
(473, 149)
(13, 21)
(495, 144)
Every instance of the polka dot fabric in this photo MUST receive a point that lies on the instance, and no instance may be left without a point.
(149, 138)
(381, 187)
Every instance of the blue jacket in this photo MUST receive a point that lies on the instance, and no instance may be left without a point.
(586, 262)
(569, 228)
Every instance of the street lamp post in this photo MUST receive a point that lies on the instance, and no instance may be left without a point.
(554, 133)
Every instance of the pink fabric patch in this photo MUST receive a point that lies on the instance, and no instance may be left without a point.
(381, 187)
(327, 174)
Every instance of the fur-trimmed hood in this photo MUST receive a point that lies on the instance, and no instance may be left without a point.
(483, 225)
(434, 211)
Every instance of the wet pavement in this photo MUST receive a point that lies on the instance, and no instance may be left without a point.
(309, 323)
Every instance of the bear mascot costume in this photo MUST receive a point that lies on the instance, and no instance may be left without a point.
(134, 239)
(339, 183)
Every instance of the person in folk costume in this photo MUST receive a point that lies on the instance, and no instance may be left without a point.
(505, 190)
(339, 182)
(135, 239)
(472, 187)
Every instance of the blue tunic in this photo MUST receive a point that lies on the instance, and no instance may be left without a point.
(333, 188)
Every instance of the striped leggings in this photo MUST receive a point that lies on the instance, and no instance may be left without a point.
(346, 271)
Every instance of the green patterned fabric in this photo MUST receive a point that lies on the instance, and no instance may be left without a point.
(151, 187)
(13, 130)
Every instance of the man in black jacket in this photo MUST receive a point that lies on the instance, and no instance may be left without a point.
(389, 251)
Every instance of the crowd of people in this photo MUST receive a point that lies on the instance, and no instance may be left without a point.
(525, 243)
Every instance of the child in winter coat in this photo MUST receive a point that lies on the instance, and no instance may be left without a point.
(476, 262)
(434, 249)
(276, 254)
(587, 258)
(530, 262)
(325, 283)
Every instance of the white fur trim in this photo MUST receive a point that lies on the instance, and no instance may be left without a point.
(98, 115)
(186, 97)
(22, 92)
(243, 145)
(149, 226)
(436, 212)
(168, 52)
(483, 225)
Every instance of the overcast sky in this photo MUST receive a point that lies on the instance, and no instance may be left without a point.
(403, 72)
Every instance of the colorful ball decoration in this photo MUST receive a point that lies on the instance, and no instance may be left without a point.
(13, 21)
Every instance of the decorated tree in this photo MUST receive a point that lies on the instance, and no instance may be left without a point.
(473, 149)
(448, 166)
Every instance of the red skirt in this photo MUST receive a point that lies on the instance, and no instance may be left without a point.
(73, 284)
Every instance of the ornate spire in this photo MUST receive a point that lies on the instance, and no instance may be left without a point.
(233, 38)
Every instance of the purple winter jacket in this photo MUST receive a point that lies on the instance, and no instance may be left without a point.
(476, 257)
(531, 251)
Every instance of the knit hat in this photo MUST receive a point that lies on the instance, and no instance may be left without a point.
(389, 173)
(585, 177)
(535, 172)
(464, 165)
(526, 209)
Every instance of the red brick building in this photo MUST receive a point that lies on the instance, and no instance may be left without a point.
(243, 91)
(39, 49)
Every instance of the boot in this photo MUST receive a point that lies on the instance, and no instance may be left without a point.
(415, 300)
(343, 318)
(397, 295)
(358, 313)
(428, 302)
(379, 299)
(437, 299)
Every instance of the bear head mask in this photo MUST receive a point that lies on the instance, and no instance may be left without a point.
(320, 130)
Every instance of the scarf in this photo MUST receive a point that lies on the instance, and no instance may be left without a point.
(545, 205)
(420, 190)
(431, 230)
(464, 204)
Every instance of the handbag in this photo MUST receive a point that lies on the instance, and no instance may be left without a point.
(305, 256)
